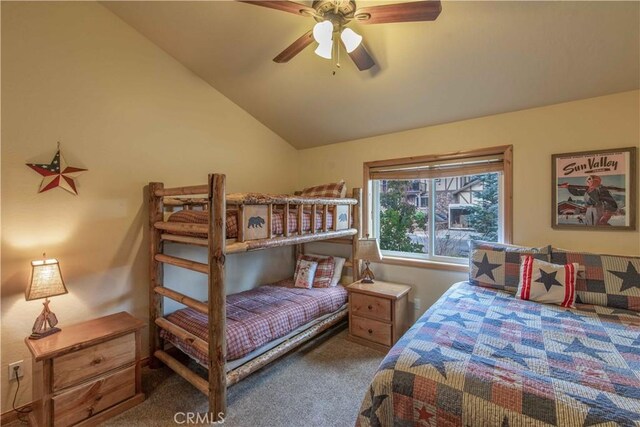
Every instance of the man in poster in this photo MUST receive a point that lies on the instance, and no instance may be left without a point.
(600, 203)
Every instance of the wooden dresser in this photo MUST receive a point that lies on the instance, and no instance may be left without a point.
(88, 372)
(378, 313)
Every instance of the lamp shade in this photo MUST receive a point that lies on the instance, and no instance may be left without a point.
(46, 280)
(351, 39)
(369, 250)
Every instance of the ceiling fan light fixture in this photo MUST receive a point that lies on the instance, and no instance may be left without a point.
(351, 39)
(324, 50)
(323, 32)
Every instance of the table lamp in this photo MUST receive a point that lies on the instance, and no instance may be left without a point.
(368, 250)
(46, 281)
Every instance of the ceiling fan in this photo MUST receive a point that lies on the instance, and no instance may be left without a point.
(332, 18)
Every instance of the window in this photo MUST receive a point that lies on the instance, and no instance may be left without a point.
(428, 208)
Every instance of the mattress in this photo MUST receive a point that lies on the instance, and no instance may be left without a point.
(258, 316)
(277, 221)
(481, 357)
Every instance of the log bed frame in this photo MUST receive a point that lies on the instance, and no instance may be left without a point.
(212, 197)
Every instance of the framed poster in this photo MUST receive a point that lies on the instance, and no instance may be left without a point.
(594, 190)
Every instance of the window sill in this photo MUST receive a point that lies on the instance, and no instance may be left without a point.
(423, 263)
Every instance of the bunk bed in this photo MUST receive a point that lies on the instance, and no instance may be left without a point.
(231, 224)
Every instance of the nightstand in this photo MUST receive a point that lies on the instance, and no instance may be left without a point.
(378, 313)
(88, 372)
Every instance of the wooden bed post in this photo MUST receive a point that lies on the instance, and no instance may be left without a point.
(156, 274)
(357, 215)
(217, 297)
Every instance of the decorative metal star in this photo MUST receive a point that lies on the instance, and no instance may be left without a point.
(57, 174)
(630, 278)
(548, 279)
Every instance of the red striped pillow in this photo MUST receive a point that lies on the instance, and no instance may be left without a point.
(545, 282)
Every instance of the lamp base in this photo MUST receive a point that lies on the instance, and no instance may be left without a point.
(366, 274)
(45, 333)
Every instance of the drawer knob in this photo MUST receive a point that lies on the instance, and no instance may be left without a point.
(370, 307)
(97, 360)
(370, 331)
(98, 397)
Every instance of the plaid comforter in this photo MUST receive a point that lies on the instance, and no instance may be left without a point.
(480, 357)
(258, 316)
(277, 221)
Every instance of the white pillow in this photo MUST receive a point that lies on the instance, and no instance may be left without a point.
(338, 265)
(306, 271)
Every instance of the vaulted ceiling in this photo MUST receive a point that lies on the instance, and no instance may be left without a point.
(478, 58)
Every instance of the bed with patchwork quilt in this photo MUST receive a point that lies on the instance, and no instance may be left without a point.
(482, 357)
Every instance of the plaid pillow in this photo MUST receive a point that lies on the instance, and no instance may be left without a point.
(333, 190)
(606, 280)
(545, 282)
(324, 272)
(338, 264)
(497, 265)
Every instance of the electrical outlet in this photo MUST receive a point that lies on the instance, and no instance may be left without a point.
(416, 304)
(12, 366)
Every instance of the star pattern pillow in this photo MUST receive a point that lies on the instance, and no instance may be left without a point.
(497, 265)
(548, 283)
(606, 280)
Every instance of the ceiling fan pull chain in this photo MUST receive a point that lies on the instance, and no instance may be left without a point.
(336, 47)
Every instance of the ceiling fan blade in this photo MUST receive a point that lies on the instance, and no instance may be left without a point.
(361, 58)
(286, 6)
(402, 12)
(295, 48)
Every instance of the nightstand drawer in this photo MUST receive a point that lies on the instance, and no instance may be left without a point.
(74, 367)
(371, 330)
(370, 306)
(80, 403)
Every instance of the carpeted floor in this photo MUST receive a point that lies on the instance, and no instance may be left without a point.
(321, 384)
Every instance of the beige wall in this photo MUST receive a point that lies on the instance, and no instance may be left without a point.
(129, 113)
(591, 124)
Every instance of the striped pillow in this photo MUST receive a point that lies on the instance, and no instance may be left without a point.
(548, 283)
(324, 271)
(334, 190)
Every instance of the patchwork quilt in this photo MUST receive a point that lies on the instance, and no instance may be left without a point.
(480, 357)
(258, 316)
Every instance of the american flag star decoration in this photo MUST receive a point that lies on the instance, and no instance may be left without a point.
(57, 174)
